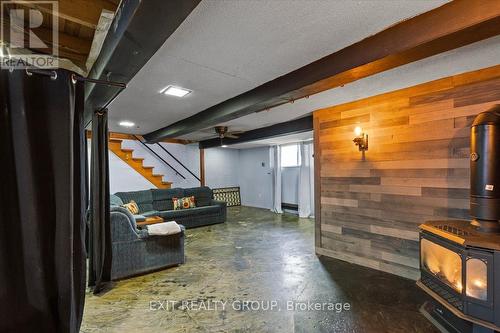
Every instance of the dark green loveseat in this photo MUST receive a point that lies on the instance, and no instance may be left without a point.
(158, 202)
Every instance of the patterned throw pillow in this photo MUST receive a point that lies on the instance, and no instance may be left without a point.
(177, 203)
(132, 207)
(184, 203)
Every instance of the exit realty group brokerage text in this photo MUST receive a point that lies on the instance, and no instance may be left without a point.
(247, 305)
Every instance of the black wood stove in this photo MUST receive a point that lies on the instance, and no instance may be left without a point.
(460, 260)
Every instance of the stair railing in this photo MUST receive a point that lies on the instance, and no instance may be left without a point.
(161, 158)
(180, 163)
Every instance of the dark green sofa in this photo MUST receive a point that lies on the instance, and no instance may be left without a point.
(158, 202)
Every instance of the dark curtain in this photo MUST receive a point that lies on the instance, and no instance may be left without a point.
(87, 192)
(100, 228)
(42, 259)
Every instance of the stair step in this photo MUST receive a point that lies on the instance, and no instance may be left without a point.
(115, 145)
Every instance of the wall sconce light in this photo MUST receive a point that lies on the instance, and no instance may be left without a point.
(361, 139)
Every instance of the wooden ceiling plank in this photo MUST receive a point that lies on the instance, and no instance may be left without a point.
(125, 136)
(82, 12)
(70, 47)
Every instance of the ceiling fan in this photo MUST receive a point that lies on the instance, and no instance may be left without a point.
(222, 132)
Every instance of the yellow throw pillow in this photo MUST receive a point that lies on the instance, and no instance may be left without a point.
(132, 207)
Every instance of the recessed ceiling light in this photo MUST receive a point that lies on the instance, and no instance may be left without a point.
(175, 91)
(126, 123)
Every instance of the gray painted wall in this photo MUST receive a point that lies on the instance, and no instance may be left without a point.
(221, 167)
(123, 178)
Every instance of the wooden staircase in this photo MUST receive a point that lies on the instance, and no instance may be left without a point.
(115, 145)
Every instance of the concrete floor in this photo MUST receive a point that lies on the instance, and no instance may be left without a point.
(267, 260)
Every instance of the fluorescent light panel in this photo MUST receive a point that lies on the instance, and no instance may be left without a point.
(175, 91)
(126, 123)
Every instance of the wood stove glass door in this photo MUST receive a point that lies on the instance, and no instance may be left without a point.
(477, 279)
(478, 275)
(443, 263)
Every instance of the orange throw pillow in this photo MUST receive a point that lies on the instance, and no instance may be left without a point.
(132, 207)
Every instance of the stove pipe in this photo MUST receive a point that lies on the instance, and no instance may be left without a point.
(485, 171)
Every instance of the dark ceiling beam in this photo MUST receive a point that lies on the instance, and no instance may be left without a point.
(138, 30)
(300, 125)
(450, 26)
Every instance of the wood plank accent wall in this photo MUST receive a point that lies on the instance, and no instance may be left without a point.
(416, 168)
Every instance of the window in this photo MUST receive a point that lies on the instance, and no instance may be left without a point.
(290, 156)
